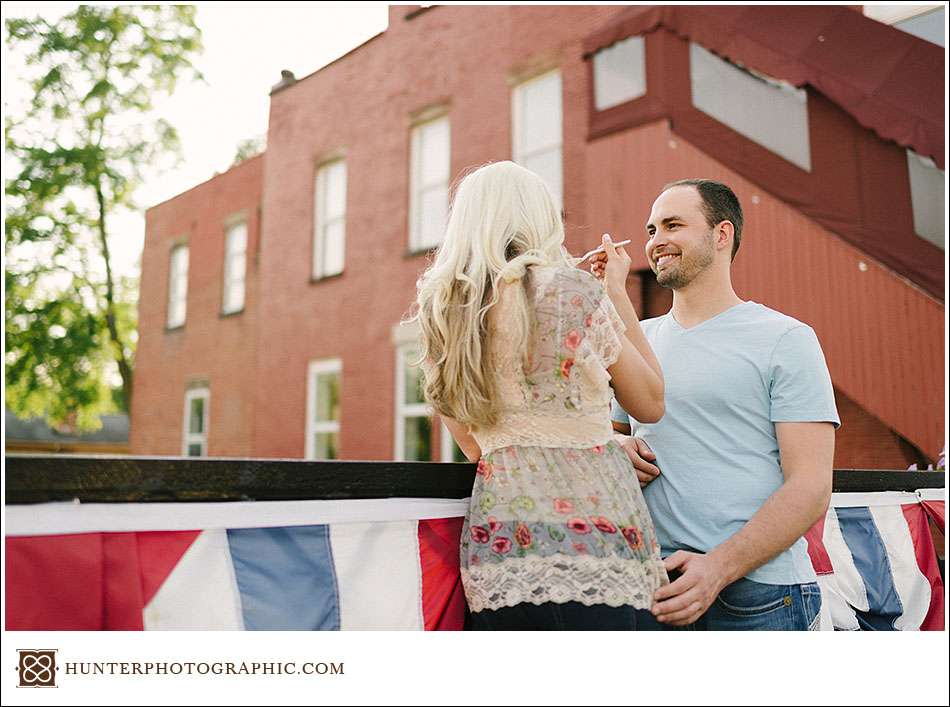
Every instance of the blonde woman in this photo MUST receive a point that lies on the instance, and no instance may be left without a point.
(520, 352)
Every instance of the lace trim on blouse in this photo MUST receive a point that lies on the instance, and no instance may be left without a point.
(582, 578)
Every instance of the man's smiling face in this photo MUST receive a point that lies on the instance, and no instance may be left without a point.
(680, 243)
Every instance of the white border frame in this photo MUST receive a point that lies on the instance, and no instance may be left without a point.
(312, 427)
(187, 437)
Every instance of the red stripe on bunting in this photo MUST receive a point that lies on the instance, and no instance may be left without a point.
(443, 600)
(927, 562)
(820, 559)
(158, 554)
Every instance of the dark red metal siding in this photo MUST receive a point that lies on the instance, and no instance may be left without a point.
(882, 336)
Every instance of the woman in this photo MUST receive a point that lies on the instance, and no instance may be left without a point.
(520, 350)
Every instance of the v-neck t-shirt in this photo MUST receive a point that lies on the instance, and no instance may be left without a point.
(728, 380)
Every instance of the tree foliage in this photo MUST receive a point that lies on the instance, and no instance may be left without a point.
(77, 150)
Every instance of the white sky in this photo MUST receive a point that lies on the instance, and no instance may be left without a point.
(245, 47)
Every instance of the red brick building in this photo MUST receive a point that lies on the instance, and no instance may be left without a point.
(271, 295)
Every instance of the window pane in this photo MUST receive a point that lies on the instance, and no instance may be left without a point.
(196, 420)
(413, 379)
(927, 185)
(334, 236)
(771, 113)
(548, 166)
(234, 297)
(929, 26)
(194, 450)
(237, 240)
(178, 286)
(328, 397)
(541, 113)
(434, 157)
(417, 439)
(235, 269)
(335, 200)
(325, 445)
(434, 206)
(619, 73)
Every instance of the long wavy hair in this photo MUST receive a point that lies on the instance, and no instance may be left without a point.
(503, 220)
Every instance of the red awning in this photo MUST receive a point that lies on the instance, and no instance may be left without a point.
(889, 81)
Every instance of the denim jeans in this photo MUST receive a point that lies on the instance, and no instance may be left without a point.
(570, 616)
(745, 605)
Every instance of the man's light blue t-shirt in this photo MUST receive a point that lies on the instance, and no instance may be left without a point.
(728, 381)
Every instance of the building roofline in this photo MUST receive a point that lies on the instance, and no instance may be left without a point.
(230, 169)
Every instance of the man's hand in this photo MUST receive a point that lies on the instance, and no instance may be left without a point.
(641, 455)
(683, 601)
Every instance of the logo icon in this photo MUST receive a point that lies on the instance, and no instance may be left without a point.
(37, 668)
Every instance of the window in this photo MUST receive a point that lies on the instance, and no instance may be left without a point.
(235, 263)
(536, 129)
(195, 439)
(177, 286)
(924, 21)
(450, 449)
(329, 236)
(413, 416)
(429, 183)
(926, 192)
(772, 113)
(323, 409)
(619, 73)
(927, 25)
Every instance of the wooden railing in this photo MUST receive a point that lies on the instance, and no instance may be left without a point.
(32, 478)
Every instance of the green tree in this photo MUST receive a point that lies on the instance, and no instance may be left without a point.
(248, 148)
(77, 151)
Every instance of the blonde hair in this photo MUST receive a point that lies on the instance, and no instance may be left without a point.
(503, 220)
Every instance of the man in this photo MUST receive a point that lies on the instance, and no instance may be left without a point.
(741, 462)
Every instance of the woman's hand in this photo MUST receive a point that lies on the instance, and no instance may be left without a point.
(612, 265)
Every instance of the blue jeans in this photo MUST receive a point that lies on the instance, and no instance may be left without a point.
(745, 605)
(570, 616)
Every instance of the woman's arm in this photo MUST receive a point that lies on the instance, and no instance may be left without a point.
(465, 441)
(636, 376)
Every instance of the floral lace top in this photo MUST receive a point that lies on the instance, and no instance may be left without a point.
(556, 513)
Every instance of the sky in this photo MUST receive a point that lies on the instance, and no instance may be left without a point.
(246, 47)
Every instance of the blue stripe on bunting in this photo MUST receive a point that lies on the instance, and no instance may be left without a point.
(286, 578)
(870, 558)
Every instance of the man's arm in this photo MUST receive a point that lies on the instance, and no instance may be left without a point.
(465, 441)
(807, 454)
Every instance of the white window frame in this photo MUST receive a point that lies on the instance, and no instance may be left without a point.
(418, 187)
(518, 130)
(188, 438)
(633, 73)
(322, 223)
(313, 427)
(235, 269)
(177, 287)
(403, 410)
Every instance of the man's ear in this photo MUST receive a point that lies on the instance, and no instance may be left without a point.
(725, 233)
